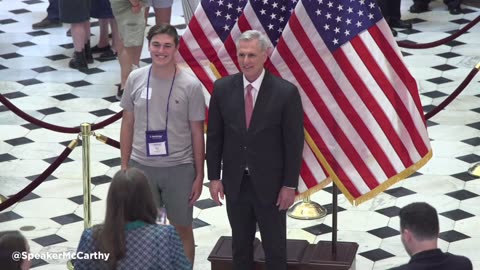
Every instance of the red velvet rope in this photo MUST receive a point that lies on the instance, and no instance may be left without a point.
(442, 41)
(40, 123)
(35, 183)
(452, 96)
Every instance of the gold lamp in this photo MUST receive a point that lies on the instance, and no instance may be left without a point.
(307, 210)
(475, 170)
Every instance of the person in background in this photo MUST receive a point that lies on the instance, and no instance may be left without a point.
(255, 126)
(129, 233)
(391, 12)
(419, 230)
(13, 242)
(420, 6)
(53, 17)
(102, 10)
(162, 9)
(77, 13)
(162, 131)
(131, 27)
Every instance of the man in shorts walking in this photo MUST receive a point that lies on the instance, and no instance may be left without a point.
(162, 9)
(162, 131)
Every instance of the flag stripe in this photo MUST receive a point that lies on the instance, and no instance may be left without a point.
(396, 95)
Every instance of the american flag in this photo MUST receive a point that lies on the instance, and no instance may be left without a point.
(361, 104)
(209, 43)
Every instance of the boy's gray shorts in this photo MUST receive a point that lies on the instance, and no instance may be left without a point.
(171, 188)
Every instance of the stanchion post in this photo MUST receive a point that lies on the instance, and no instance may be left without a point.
(86, 130)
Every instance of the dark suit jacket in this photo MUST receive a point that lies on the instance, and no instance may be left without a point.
(435, 259)
(271, 147)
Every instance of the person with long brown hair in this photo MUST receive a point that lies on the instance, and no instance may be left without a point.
(129, 233)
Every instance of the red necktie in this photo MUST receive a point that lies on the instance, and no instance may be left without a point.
(248, 104)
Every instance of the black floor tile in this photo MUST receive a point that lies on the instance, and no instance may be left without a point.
(33, 177)
(38, 33)
(389, 211)
(24, 44)
(38, 263)
(376, 254)
(13, 95)
(475, 125)
(399, 192)
(112, 162)
(67, 219)
(384, 232)
(79, 83)
(79, 199)
(30, 196)
(19, 11)
(197, 223)
(452, 236)
(18, 141)
(6, 157)
(52, 159)
(65, 97)
(43, 69)
(462, 194)
(460, 21)
(29, 82)
(52, 110)
(7, 216)
(439, 80)
(318, 229)
(102, 112)
(205, 204)
(98, 180)
(473, 141)
(471, 158)
(464, 176)
(448, 55)
(49, 240)
(57, 57)
(456, 214)
(7, 21)
(444, 67)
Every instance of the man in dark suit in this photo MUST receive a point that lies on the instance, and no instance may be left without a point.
(419, 233)
(255, 127)
(391, 12)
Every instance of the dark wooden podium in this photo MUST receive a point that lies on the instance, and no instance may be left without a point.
(300, 255)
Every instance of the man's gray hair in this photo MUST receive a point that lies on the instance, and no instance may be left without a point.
(255, 34)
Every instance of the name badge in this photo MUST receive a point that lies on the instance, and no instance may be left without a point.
(157, 143)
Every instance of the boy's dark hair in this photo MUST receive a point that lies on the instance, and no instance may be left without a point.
(421, 219)
(10, 242)
(163, 29)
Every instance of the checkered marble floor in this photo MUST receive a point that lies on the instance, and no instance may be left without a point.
(34, 75)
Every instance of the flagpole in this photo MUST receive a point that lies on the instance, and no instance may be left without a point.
(334, 219)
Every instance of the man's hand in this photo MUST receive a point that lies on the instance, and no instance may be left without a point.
(216, 188)
(286, 197)
(196, 190)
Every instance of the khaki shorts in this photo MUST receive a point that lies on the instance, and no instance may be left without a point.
(171, 188)
(131, 26)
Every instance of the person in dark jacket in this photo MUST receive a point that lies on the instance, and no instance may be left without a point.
(419, 230)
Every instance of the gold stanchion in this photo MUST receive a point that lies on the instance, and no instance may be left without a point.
(307, 210)
(86, 131)
(475, 170)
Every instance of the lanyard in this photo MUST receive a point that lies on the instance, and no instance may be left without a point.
(169, 94)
